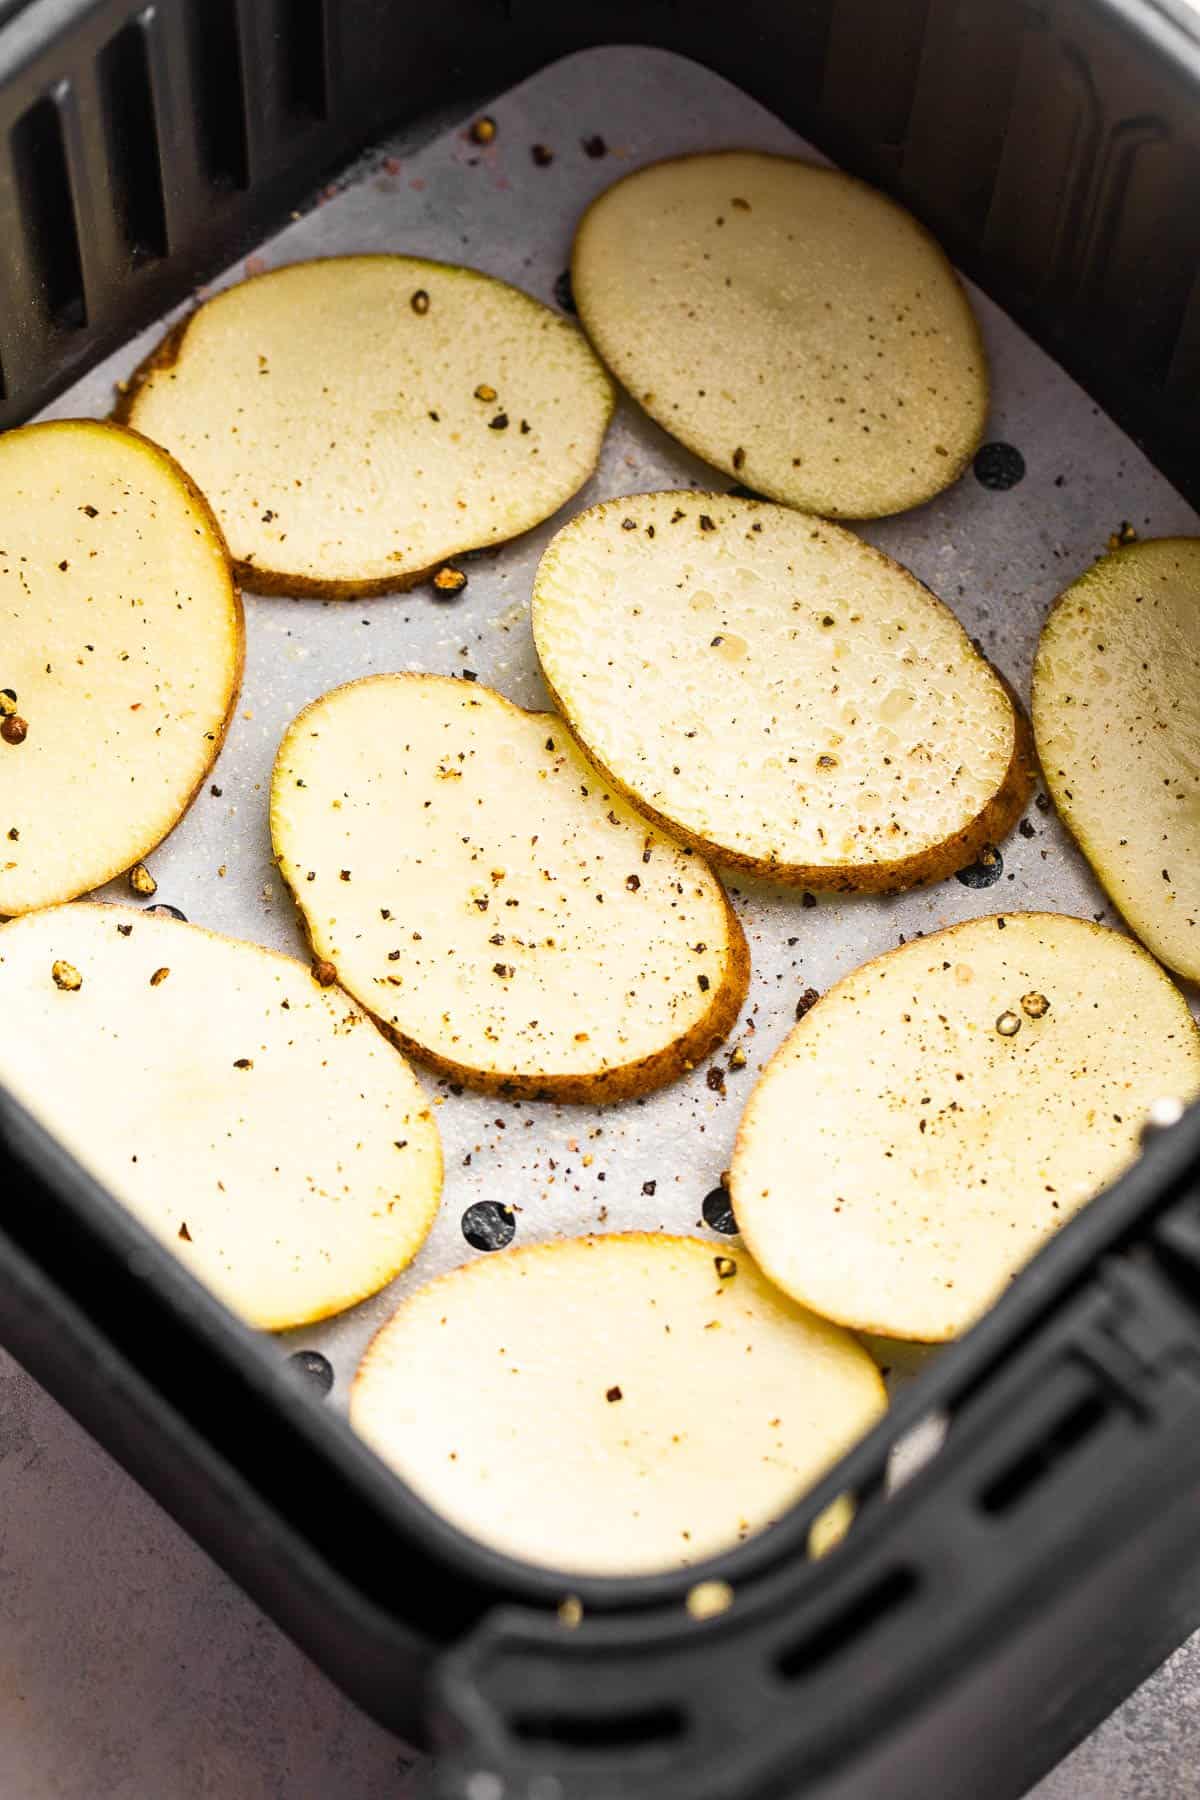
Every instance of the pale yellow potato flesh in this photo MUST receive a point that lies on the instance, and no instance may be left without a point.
(783, 695)
(491, 899)
(789, 324)
(612, 1405)
(907, 1150)
(121, 639)
(258, 1124)
(358, 420)
(1116, 713)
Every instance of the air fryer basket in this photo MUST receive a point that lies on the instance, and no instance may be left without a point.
(1053, 147)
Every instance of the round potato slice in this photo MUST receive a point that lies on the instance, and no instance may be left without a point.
(484, 892)
(356, 421)
(944, 1109)
(255, 1122)
(1116, 713)
(612, 1405)
(120, 655)
(782, 695)
(790, 325)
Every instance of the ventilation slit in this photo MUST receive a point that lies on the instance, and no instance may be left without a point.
(45, 203)
(863, 1614)
(124, 73)
(302, 58)
(601, 1731)
(1010, 1487)
(220, 92)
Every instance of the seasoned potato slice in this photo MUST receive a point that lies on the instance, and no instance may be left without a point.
(255, 1122)
(785, 697)
(612, 1405)
(1116, 712)
(488, 896)
(945, 1108)
(358, 420)
(790, 325)
(120, 655)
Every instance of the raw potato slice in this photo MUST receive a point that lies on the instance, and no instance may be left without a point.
(612, 1405)
(255, 1122)
(779, 693)
(945, 1108)
(1116, 712)
(480, 888)
(358, 420)
(790, 325)
(120, 655)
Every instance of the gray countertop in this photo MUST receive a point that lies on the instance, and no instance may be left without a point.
(132, 1669)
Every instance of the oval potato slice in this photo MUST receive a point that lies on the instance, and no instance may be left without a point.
(612, 1405)
(1116, 713)
(120, 655)
(484, 893)
(778, 692)
(790, 325)
(944, 1109)
(357, 420)
(258, 1124)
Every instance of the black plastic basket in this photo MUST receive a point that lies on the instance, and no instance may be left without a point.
(976, 1623)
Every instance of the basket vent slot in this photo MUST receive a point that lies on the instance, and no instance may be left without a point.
(1055, 1446)
(124, 73)
(810, 1654)
(219, 92)
(602, 1731)
(48, 208)
(303, 70)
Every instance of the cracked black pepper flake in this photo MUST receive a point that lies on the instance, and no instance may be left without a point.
(503, 970)
(649, 1188)
(613, 1394)
(487, 1225)
(420, 302)
(542, 155)
(13, 834)
(998, 466)
(1027, 829)
(983, 873)
(628, 524)
(715, 1079)
(633, 883)
(125, 930)
(718, 1212)
(244, 1062)
(184, 1233)
(703, 983)
(706, 523)
(808, 900)
(806, 1002)
(499, 423)
(594, 146)
(449, 582)
(739, 458)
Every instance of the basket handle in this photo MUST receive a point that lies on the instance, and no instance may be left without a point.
(1047, 1553)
